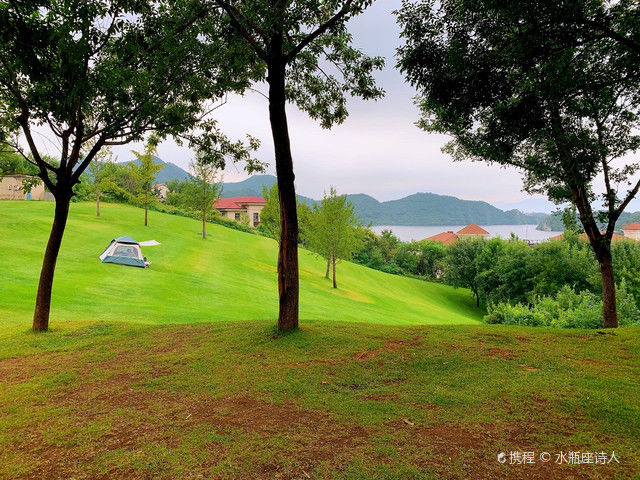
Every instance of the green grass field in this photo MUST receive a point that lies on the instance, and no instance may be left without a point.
(229, 276)
(177, 371)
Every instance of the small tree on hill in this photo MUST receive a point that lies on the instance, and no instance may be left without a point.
(551, 88)
(202, 190)
(270, 214)
(102, 173)
(461, 264)
(143, 171)
(334, 230)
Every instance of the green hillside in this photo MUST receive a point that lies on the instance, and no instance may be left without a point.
(229, 276)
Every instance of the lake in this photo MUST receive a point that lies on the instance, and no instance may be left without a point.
(525, 232)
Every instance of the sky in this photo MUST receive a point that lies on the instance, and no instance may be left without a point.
(378, 150)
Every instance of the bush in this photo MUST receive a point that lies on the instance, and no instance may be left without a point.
(568, 309)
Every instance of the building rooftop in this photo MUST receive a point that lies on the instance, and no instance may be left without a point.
(473, 229)
(446, 238)
(236, 203)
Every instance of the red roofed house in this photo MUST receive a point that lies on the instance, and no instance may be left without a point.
(446, 238)
(234, 207)
(471, 231)
(632, 231)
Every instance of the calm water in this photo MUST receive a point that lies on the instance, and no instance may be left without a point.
(525, 232)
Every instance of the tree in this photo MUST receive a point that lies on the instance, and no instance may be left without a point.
(202, 190)
(334, 230)
(107, 72)
(303, 50)
(143, 171)
(101, 171)
(270, 214)
(462, 265)
(525, 84)
(570, 221)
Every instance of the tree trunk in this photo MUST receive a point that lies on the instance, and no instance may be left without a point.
(146, 213)
(288, 287)
(97, 204)
(204, 227)
(335, 285)
(601, 246)
(43, 297)
(326, 275)
(609, 307)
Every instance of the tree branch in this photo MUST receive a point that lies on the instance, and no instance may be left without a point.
(319, 31)
(231, 11)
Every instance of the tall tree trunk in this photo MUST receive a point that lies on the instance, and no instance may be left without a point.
(98, 204)
(146, 210)
(204, 227)
(326, 275)
(288, 286)
(335, 285)
(45, 286)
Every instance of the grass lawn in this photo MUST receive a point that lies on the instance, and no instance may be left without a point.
(229, 276)
(176, 371)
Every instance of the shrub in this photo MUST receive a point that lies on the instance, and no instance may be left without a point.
(567, 309)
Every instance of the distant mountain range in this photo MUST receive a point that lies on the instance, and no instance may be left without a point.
(419, 209)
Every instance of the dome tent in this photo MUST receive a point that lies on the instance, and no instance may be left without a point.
(124, 251)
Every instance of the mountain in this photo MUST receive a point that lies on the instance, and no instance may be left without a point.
(424, 209)
(170, 171)
(420, 209)
(252, 187)
(554, 222)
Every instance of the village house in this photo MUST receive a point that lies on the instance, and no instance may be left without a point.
(234, 207)
(161, 190)
(11, 188)
(470, 231)
(632, 231)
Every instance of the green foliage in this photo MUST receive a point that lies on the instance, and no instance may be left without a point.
(203, 188)
(567, 107)
(312, 41)
(566, 309)
(333, 229)
(109, 72)
(270, 214)
(12, 163)
(143, 174)
(462, 264)
(563, 262)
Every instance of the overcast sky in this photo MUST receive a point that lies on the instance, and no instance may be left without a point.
(378, 150)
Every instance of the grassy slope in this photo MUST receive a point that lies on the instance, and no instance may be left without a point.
(230, 276)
